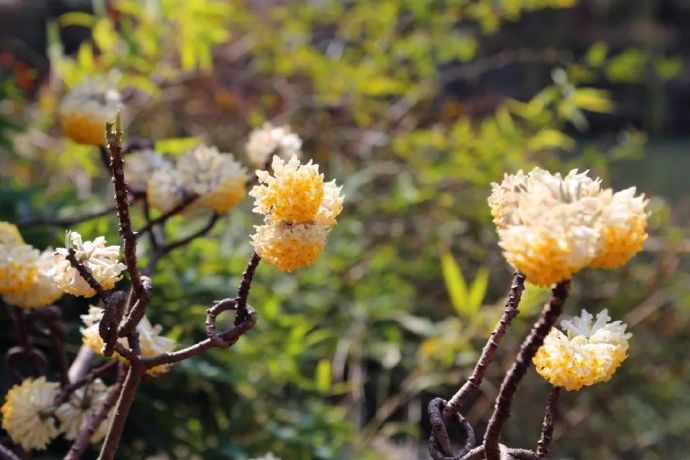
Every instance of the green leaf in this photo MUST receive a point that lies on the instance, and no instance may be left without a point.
(323, 376)
(477, 292)
(455, 284)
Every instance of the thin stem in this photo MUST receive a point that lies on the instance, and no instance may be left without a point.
(84, 438)
(548, 424)
(245, 284)
(66, 221)
(188, 239)
(6, 454)
(514, 376)
(88, 378)
(124, 403)
(86, 274)
(186, 201)
(510, 311)
(114, 141)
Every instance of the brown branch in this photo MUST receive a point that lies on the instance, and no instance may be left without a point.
(510, 311)
(549, 421)
(138, 310)
(511, 381)
(439, 442)
(66, 221)
(7, 454)
(245, 284)
(86, 274)
(188, 239)
(133, 378)
(85, 435)
(88, 378)
(186, 201)
(114, 144)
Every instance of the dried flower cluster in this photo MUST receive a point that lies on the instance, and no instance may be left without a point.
(31, 410)
(299, 210)
(550, 226)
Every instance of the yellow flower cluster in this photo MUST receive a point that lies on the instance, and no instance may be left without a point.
(216, 178)
(299, 210)
(550, 226)
(150, 338)
(86, 109)
(24, 279)
(272, 140)
(101, 260)
(588, 354)
(30, 412)
(27, 414)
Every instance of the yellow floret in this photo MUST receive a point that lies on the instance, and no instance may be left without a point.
(289, 247)
(226, 197)
(619, 245)
(293, 194)
(9, 234)
(18, 268)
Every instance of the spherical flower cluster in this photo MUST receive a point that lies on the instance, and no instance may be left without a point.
(150, 340)
(215, 178)
(27, 414)
(551, 226)
(272, 140)
(42, 290)
(99, 259)
(141, 165)
(299, 211)
(86, 109)
(588, 354)
(75, 414)
(18, 267)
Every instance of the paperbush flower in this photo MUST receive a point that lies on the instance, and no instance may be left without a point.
(272, 140)
(293, 193)
(141, 165)
(99, 259)
(289, 246)
(164, 189)
(152, 343)
(18, 267)
(588, 354)
(216, 178)
(551, 226)
(299, 211)
(42, 290)
(9, 234)
(86, 109)
(27, 414)
(82, 406)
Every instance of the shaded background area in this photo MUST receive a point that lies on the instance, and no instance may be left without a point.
(415, 107)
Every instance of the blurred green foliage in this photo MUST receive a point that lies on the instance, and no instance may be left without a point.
(346, 354)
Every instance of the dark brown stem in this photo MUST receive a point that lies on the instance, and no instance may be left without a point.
(26, 348)
(6, 454)
(186, 201)
(245, 284)
(188, 239)
(511, 381)
(86, 274)
(85, 435)
(138, 309)
(88, 378)
(114, 145)
(510, 311)
(124, 403)
(549, 421)
(66, 221)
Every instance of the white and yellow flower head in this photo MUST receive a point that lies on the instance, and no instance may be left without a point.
(272, 140)
(164, 189)
(42, 290)
(9, 234)
(18, 267)
(75, 414)
(86, 109)
(150, 339)
(293, 193)
(141, 165)
(289, 246)
(101, 260)
(551, 226)
(590, 352)
(215, 177)
(27, 414)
